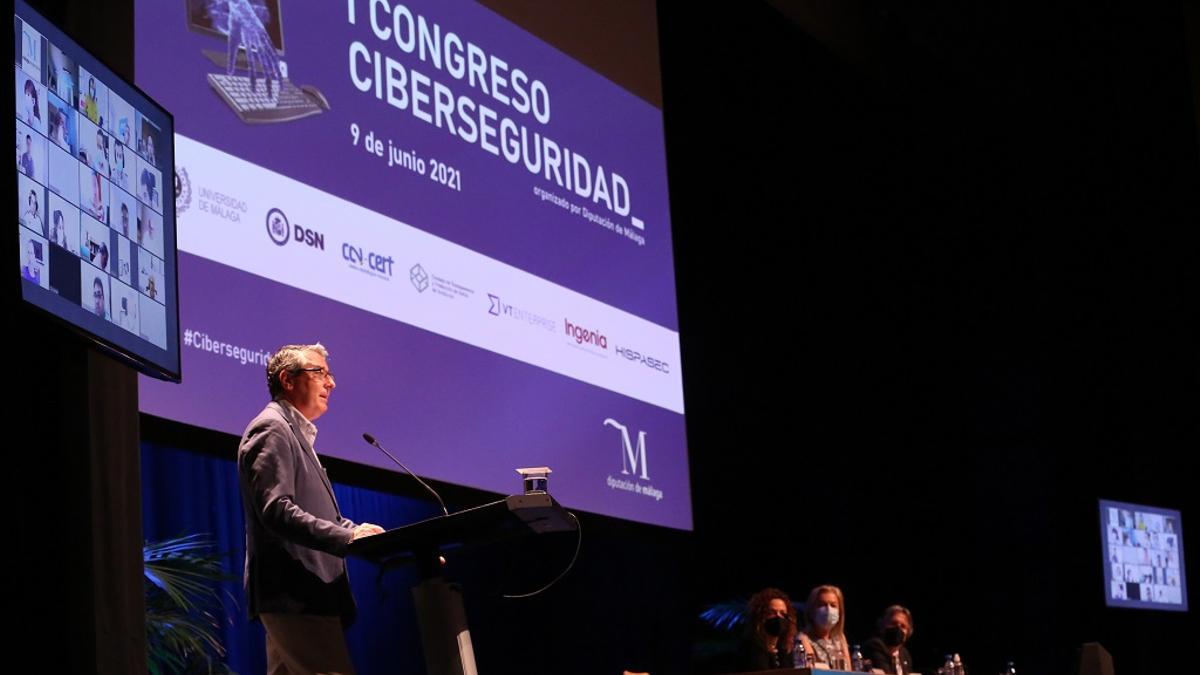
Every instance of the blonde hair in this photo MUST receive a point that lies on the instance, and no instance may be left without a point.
(837, 630)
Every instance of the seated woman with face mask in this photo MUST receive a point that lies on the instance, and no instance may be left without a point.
(886, 651)
(770, 631)
(825, 629)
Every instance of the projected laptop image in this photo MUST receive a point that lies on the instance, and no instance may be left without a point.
(254, 98)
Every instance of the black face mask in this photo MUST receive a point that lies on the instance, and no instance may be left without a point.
(893, 636)
(775, 626)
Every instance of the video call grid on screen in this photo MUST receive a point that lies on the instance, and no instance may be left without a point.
(90, 187)
(1143, 557)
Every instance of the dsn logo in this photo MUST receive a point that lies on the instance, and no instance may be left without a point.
(281, 231)
(631, 457)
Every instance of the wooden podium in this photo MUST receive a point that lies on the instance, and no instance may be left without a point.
(440, 614)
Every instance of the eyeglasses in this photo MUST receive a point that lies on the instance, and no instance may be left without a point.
(318, 372)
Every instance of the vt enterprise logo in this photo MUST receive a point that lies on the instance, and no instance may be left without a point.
(375, 264)
(507, 310)
(281, 231)
(633, 458)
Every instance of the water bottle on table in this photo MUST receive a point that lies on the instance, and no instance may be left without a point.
(799, 655)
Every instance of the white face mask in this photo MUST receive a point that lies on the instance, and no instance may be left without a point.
(827, 617)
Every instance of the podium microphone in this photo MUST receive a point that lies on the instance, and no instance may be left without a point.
(371, 439)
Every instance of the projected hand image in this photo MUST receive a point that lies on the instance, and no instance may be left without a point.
(246, 31)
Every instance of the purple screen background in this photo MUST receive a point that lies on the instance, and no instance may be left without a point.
(452, 411)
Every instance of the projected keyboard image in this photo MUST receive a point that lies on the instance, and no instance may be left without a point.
(253, 104)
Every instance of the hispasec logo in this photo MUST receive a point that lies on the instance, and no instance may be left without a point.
(635, 356)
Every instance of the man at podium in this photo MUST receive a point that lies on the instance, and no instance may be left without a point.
(296, 536)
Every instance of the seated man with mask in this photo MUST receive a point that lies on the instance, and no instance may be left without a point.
(886, 650)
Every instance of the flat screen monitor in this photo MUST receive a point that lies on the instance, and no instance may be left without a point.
(95, 216)
(1143, 557)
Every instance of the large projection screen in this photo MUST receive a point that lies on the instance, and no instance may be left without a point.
(474, 223)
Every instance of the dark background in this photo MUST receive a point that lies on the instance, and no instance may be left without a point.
(936, 294)
(937, 297)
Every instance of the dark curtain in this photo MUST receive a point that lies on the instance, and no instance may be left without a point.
(186, 492)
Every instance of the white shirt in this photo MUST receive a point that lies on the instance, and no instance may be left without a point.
(306, 427)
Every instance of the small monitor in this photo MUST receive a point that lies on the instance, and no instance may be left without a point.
(1143, 557)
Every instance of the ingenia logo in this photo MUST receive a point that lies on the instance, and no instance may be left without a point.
(584, 336)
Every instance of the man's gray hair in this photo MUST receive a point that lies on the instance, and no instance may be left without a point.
(290, 358)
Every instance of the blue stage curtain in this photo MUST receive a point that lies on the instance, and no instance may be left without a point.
(185, 492)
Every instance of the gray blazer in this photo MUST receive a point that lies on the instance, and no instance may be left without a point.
(296, 536)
